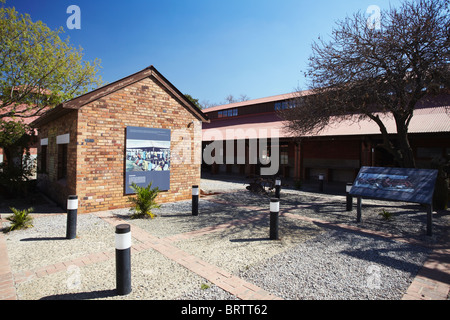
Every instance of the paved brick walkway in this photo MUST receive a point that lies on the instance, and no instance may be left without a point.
(240, 288)
(223, 279)
(431, 283)
(7, 289)
(433, 280)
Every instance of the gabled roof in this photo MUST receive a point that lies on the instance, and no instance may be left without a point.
(96, 94)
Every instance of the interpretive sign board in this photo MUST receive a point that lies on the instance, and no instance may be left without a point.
(147, 158)
(397, 184)
(408, 185)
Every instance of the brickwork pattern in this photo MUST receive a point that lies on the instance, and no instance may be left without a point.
(58, 189)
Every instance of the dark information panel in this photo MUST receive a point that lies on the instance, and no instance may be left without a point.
(399, 184)
(147, 158)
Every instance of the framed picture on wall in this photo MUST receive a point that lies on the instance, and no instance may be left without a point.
(147, 158)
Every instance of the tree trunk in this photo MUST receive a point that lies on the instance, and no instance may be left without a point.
(405, 149)
(387, 143)
(403, 153)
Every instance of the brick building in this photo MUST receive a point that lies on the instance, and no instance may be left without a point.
(83, 142)
(338, 152)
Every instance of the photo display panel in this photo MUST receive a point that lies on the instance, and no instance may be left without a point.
(147, 158)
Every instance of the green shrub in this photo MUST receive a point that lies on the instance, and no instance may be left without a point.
(20, 219)
(18, 167)
(144, 201)
(386, 215)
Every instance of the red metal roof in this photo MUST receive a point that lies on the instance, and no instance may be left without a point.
(425, 120)
(248, 127)
(279, 97)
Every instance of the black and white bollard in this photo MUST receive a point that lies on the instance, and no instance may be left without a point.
(195, 193)
(277, 188)
(123, 259)
(348, 187)
(321, 177)
(72, 210)
(274, 212)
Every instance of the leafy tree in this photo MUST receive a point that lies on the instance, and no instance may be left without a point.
(366, 70)
(14, 134)
(38, 71)
(194, 101)
(37, 68)
(18, 166)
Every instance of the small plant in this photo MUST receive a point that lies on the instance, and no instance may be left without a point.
(386, 215)
(204, 286)
(144, 201)
(20, 219)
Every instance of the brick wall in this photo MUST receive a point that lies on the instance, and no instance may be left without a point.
(48, 182)
(97, 146)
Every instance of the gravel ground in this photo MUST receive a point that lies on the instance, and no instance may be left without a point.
(150, 272)
(46, 243)
(309, 262)
(348, 267)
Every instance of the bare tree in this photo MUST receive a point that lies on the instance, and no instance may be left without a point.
(243, 97)
(205, 104)
(231, 99)
(367, 69)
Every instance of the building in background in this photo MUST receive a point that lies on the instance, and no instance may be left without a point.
(338, 152)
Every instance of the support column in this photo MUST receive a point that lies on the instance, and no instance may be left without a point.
(358, 209)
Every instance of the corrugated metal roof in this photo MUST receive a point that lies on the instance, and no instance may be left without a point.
(425, 120)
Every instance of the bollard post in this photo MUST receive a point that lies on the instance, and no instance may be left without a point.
(274, 211)
(72, 210)
(321, 182)
(195, 193)
(348, 187)
(358, 209)
(123, 259)
(277, 188)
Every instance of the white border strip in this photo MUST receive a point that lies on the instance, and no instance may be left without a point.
(63, 139)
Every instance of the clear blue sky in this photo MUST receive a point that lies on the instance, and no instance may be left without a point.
(206, 48)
